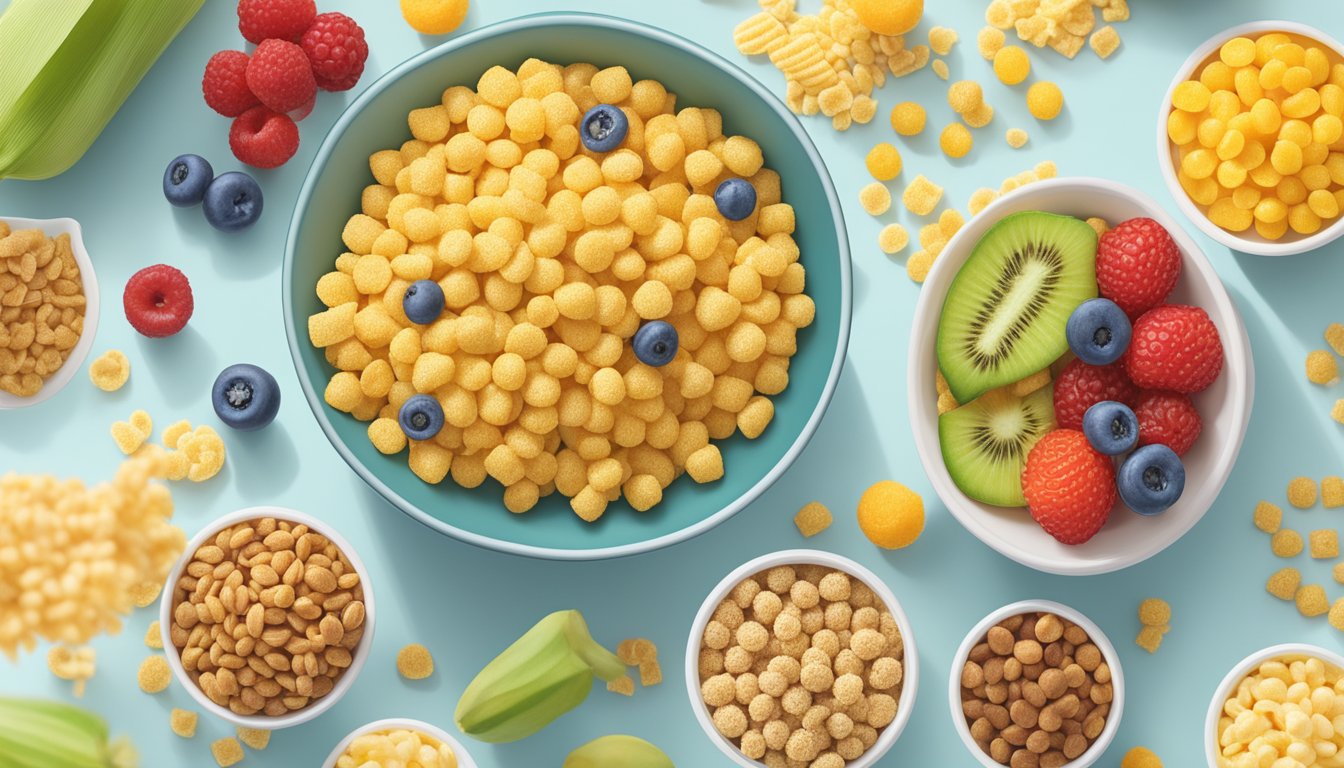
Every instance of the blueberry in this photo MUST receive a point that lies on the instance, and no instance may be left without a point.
(232, 201)
(185, 180)
(1111, 427)
(423, 302)
(656, 343)
(245, 397)
(421, 417)
(1151, 479)
(604, 128)
(1098, 332)
(736, 199)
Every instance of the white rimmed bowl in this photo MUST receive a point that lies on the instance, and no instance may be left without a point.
(73, 363)
(1225, 406)
(361, 652)
(1094, 633)
(1243, 668)
(910, 663)
(1249, 241)
(399, 724)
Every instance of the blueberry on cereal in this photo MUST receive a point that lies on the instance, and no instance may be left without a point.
(421, 417)
(1098, 332)
(185, 180)
(1151, 479)
(1111, 427)
(233, 201)
(245, 397)
(604, 128)
(656, 343)
(735, 199)
(423, 302)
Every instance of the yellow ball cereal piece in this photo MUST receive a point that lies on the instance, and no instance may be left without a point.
(183, 723)
(1016, 137)
(705, 465)
(1011, 65)
(1302, 492)
(956, 140)
(812, 519)
(1286, 543)
(989, 41)
(891, 515)
(921, 197)
(918, 265)
(1332, 492)
(1154, 612)
(1324, 544)
(893, 238)
(1322, 368)
(145, 593)
(154, 675)
(941, 40)
(414, 662)
(875, 198)
(1104, 41)
(980, 116)
(884, 162)
(1150, 638)
(1268, 517)
(1237, 52)
(110, 371)
(964, 96)
(1311, 600)
(624, 685)
(1283, 583)
(1181, 127)
(1045, 100)
(888, 17)
(1099, 225)
(908, 118)
(154, 636)
(226, 752)
(434, 17)
(255, 738)
(1140, 757)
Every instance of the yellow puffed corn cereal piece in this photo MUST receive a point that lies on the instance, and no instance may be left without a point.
(624, 685)
(965, 96)
(256, 738)
(1283, 583)
(183, 723)
(1099, 225)
(226, 752)
(893, 238)
(1332, 492)
(989, 41)
(128, 437)
(1045, 100)
(154, 675)
(1150, 638)
(1011, 65)
(1104, 42)
(110, 371)
(891, 515)
(434, 17)
(145, 593)
(955, 141)
(908, 118)
(1337, 411)
(941, 40)
(1324, 544)
(1268, 517)
(812, 519)
(705, 465)
(650, 673)
(1336, 616)
(1237, 52)
(1311, 600)
(414, 662)
(1286, 543)
(1302, 492)
(918, 265)
(921, 197)
(1322, 368)
(940, 69)
(884, 162)
(1016, 137)
(1140, 757)
(154, 636)
(875, 198)
(1154, 612)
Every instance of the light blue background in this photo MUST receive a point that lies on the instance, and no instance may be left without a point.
(467, 604)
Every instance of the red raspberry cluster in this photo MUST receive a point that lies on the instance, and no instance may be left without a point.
(298, 51)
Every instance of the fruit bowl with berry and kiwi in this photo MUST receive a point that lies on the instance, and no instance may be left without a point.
(1079, 380)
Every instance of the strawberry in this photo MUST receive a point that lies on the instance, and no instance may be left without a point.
(1138, 265)
(1174, 347)
(1081, 386)
(1167, 418)
(1070, 488)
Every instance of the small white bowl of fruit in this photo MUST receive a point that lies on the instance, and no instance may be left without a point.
(1078, 399)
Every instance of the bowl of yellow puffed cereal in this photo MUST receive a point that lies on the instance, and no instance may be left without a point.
(581, 303)
(384, 741)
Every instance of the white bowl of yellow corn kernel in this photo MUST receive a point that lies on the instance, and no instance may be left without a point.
(1225, 152)
(398, 729)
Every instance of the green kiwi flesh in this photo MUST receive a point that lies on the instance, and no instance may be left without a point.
(985, 442)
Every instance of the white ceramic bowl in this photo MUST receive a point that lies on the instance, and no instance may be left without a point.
(1094, 633)
(1225, 406)
(1249, 241)
(361, 653)
(400, 723)
(1243, 668)
(910, 663)
(73, 363)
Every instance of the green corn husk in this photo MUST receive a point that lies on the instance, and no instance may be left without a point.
(618, 752)
(48, 734)
(67, 67)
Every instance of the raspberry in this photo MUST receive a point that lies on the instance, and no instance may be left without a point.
(1174, 347)
(261, 20)
(158, 301)
(1138, 265)
(1167, 418)
(263, 139)
(336, 50)
(1081, 386)
(280, 75)
(225, 84)
(1070, 488)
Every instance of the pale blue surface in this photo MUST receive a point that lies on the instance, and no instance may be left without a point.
(467, 604)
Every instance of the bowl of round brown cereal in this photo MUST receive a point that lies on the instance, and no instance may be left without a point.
(804, 637)
(268, 618)
(1037, 683)
(551, 256)
(381, 740)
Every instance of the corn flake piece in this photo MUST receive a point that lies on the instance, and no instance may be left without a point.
(650, 673)
(256, 738)
(989, 41)
(812, 519)
(940, 69)
(1332, 492)
(1016, 137)
(145, 593)
(1268, 517)
(1334, 336)
(1338, 572)
(75, 664)
(623, 685)
(1302, 492)
(636, 650)
(1311, 600)
(1154, 612)
(941, 40)
(183, 723)
(227, 752)
(921, 197)
(1105, 41)
(1283, 583)
(1286, 543)
(1150, 638)
(154, 636)
(1337, 412)
(110, 371)
(893, 239)
(1099, 225)
(875, 199)
(1336, 616)
(980, 199)
(414, 662)
(154, 675)
(127, 437)
(1322, 368)
(918, 265)
(1324, 544)
(946, 403)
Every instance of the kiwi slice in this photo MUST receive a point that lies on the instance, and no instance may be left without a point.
(1005, 312)
(985, 442)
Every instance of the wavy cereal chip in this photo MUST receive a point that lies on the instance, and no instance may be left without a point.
(921, 197)
(127, 437)
(145, 593)
(1105, 41)
(650, 673)
(154, 675)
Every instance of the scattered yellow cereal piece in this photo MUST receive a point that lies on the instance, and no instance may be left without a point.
(650, 673)
(921, 197)
(1302, 492)
(256, 738)
(1017, 138)
(891, 515)
(892, 239)
(145, 593)
(989, 41)
(812, 519)
(908, 118)
(888, 17)
(110, 371)
(1140, 757)
(1104, 41)
(941, 40)
(636, 650)
(884, 162)
(154, 635)
(154, 675)
(1150, 638)
(227, 752)
(940, 69)
(624, 685)
(1336, 616)
(946, 402)
(1045, 100)
(1322, 368)
(965, 96)
(1268, 517)
(875, 198)
(1035, 381)
(1154, 612)
(1286, 543)
(956, 141)
(130, 435)
(183, 723)
(918, 265)
(1011, 65)
(1332, 491)
(1311, 600)
(1334, 333)
(75, 664)
(1099, 225)
(414, 662)
(1338, 572)
(1324, 544)
(174, 432)
(1337, 411)
(1283, 583)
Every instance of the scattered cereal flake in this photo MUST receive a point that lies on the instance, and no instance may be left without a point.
(1302, 492)
(1332, 491)
(145, 593)
(918, 265)
(650, 673)
(183, 723)
(1334, 336)
(979, 199)
(950, 221)
(1140, 757)
(174, 432)
(1338, 572)
(1311, 600)
(812, 519)
(75, 664)
(946, 402)
(203, 449)
(875, 198)
(908, 118)
(623, 685)
(941, 40)
(1150, 638)
(1117, 10)
(892, 239)
(965, 96)
(1099, 225)
(1031, 383)
(1155, 612)
(227, 752)
(1268, 517)
(940, 69)
(1286, 543)
(921, 197)
(1283, 583)
(154, 635)
(414, 662)
(1105, 41)
(1337, 614)
(256, 738)
(110, 371)
(636, 650)
(1324, 544)
(127, 437)
(154, 675)
(1322, 368)
(1337, 412)
(989, 41)
(1017, 138)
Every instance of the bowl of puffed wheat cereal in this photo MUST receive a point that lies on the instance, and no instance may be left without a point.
(802, 657)
(48, 308)
(268, 618)
(580, 303)
(384, 741)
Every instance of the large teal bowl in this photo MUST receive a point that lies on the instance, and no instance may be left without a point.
(376, 120)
